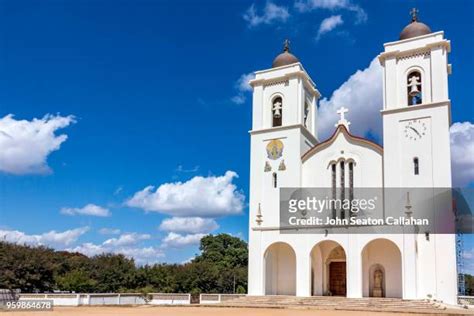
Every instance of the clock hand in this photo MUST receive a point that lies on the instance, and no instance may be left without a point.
(414, 130)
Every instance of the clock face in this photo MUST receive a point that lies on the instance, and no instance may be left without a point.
(415, 130)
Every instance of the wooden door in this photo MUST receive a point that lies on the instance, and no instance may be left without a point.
(337, 278)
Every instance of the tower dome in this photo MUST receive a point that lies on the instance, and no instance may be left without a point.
(285, 58)
(415, 28)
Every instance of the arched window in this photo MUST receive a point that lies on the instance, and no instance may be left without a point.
(343, 175)
(275, 179)
(343, 185)
(416, 166)
(351, 185)
(333, 183)
(414, 93)
(277, 109)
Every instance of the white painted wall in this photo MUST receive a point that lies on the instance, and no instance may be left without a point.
(367, 163)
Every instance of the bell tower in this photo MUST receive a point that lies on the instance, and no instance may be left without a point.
(284, 120)
(417, 110)
(416, 119)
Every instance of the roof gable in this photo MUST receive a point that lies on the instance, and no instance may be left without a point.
(341, 129)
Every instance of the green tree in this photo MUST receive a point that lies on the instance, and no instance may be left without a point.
(113, 272)
(230, 256)
(27, 268)
(221, 267)
(78, 281)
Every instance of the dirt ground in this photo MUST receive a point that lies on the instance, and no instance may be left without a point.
(192, 311)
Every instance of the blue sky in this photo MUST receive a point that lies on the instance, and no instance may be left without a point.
(149, 93)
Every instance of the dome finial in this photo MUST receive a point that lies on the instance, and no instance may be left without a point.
(414, 14)
(414, 28)
(286, 45)
(285, 58)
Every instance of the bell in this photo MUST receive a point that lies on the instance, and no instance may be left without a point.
(414, 90)
(277, 110)
(413, 83)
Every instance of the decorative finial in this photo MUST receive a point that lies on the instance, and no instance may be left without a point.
(286, 45)
(259, 219)
(414, 14)
(408, 211)
(342, 121)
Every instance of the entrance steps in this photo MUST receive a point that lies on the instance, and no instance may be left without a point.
(339, 303)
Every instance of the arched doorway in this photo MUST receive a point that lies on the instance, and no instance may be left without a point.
(280, 270)
(381, 269)
(328, 269)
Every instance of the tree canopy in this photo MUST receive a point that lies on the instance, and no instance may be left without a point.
(221, 267)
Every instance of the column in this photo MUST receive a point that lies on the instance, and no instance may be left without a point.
(409, 266)
(303, 272)
(256, 274)
(354, 267)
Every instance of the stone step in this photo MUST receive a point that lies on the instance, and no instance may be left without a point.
(331, 302)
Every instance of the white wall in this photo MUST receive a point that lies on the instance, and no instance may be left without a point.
(367, 163)
(110, 299)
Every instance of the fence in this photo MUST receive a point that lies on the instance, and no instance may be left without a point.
(218, 298)
(466, 300)
(8, 295)
(111, 299)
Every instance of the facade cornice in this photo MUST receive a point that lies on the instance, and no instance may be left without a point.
(415, 51)
(411, 39)
(303, 130)
(308, 82)
(419, 107)
(416, 107)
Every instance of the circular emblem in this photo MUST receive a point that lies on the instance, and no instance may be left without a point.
(274, 149)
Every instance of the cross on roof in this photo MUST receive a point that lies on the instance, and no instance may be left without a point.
(342, 121)
(414, 14)
(286, 45)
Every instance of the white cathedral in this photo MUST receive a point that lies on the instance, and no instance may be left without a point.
(286, 152)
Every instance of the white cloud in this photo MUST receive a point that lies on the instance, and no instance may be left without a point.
(189, 225)
(144, 255)
(189, 260)
(118, 190)
(462, 153)
(126, 239)
(51, 238)
(362, 95)
(242, 83)
(89, 209)
(141, 255)
(126, 244)
(242, 86)
(271, 13)
(180, 168)
(309, 5)
(238, 99)
(201, 196)
(329, 24)
(25, 145)
(178, 241)
(88, 249)
(468, 254)
(109, 231)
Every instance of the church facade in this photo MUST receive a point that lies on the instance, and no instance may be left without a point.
(286, 152)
